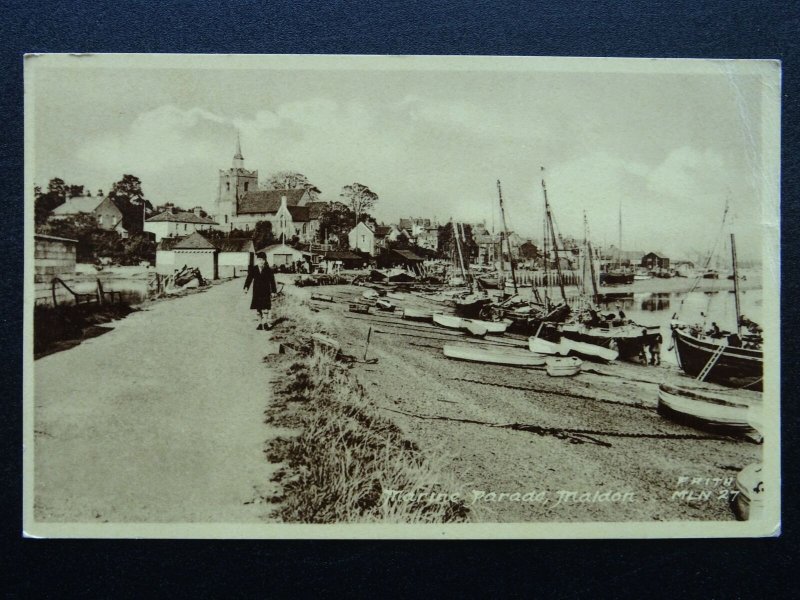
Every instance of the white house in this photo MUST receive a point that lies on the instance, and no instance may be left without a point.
(168, 224)
(362, 238)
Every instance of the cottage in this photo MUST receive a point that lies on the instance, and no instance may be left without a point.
(362, 238)
(76, 205)
(172, 224)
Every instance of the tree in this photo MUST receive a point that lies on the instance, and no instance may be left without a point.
(128, 197)
(469, 248)
(262, 235)
(335, 224)
(359, 198)
(291, 180)
(44, 203)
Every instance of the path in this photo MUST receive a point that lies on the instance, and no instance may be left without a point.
(160, 420)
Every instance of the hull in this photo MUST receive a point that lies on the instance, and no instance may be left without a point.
(495, 327)
(384, 305)
(590, 351)
(448, 321)
(736, 367)
(412, 314)
(705, 409)
(615, 278)
(496, 357)
(476, 329)
(563, 367)
(541, 346)
(627, 339)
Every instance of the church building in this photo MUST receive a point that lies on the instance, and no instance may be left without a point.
(241, 204)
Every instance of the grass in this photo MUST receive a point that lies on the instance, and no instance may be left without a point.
(347, 458)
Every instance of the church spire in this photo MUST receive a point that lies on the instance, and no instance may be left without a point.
(238, 159)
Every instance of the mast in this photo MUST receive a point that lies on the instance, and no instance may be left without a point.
(619, 243)
(553, 239)
(591, 259)
(736, 287)
(508, 243)
(460, 257)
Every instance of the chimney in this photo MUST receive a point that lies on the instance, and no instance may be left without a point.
(283, 201)
(197, 210)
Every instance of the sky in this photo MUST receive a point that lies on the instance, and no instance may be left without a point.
(667, 147)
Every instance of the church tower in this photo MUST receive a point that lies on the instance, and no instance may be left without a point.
(233, 184)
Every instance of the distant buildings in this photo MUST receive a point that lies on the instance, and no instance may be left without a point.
(653, 261)
(103, 209)
(171, 224)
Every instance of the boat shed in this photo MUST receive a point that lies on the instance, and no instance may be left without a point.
(395, 257)
(651, 260)
(282, 255)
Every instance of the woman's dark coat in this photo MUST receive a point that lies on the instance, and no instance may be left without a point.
(263, 281)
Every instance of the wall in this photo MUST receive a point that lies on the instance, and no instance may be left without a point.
(53, 258)
(233, 264)
(165, 261)
(205, 260)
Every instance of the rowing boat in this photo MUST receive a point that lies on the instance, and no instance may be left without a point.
(491, 326)
(383, 304)
(413, 314)
(454, 322)
(709, 409)
(499, 356)
(476, 329)
(370, 294)
(749, 502)
(542, 346)
(586, 350)
(567, 366)
(449, 321)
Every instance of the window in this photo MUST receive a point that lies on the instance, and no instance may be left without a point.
(247, 226)
(246, 185)
(227, 186)
(226, 218)
(184, 226)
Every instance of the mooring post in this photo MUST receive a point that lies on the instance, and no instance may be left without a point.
(366, 347)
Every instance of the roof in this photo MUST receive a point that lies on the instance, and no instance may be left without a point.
(181, 217)
(268, 201)
(234, 244)
(272, 247)
(78, 204)
(382, 230)
(168, 243)
(341, 255)
(52, 238)
(299, 213)
(194, 241)
(656, 254)
(407, 254)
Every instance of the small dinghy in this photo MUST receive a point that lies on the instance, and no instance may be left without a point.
(385, 305)
(541, 346)
(566, 366)
(413, 314)
(370, 294)
(322, 297)
(590, 351)
(712, 410)
(501, 356)
(476, 328)
(749, 502)
(495, 327)
(449, 321)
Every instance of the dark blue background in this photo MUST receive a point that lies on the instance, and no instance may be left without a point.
(707, 568)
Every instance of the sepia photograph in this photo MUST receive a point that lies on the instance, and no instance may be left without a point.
(296, 296)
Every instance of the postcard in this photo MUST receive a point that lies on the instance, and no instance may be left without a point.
(273, 296)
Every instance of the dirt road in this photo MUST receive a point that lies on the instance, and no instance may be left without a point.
(572, 438)
(160, 420)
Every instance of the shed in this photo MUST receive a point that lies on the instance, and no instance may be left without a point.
(651, 260)
(395, 257)
(236, 255)
(53, 257)
(282, 255)
(347, 259)
(196, 251)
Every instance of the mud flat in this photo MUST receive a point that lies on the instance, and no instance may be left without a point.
(524, 447)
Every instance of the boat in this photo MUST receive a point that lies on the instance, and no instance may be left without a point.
(541, 346)
(705, 408)
(590, 351)
(711, 274)
(449, 321)
(749, 502)
(642, 277)
(322, 297)
(494, 327)
(627, 338)
(385, 305)
(413, 314)
(477, 329)
(717, 360)
(471, 305)
(370, 294)
(563, 366)
(615, 278)
(501, 356)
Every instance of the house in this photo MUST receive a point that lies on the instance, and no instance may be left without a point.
(528, 251)
(653, 261)
(623, 257)
(281, 255)
(428, 238)
(74, 206)
(192, 251)
(53, 257)
(362, 238)
(172, 224)
(235, 257)
(415, 226)
(110, 217)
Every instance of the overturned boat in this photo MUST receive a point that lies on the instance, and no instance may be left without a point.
(567, 366)
(718, 411)
(496, 356)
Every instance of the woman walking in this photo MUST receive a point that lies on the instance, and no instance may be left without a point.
(263, 280)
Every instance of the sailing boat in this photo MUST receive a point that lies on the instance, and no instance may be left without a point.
(471, 303)
(617, 276)
(735, 359)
